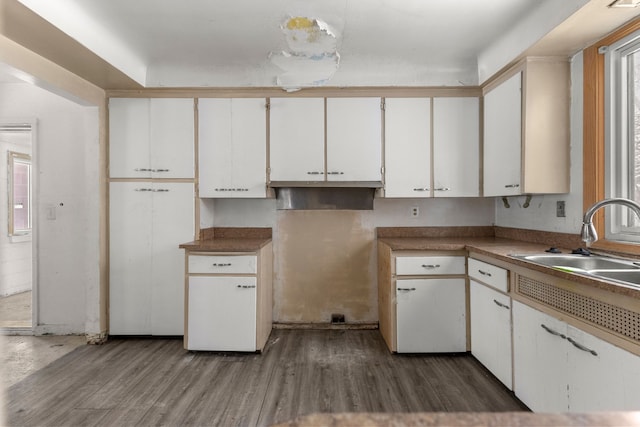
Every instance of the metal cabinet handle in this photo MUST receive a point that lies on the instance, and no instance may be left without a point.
(406, 289)
(442, 189)
(246, 286)
(315, 173)
(499, 304)
(512, 186)
(231, 189)
(143, 170)
(335, 173)
(552, 332)
(159, 170)
(420, 189)
(143, 189)
(581, 347)
(431, 266)
(484, 273)
(221, 264)
(161, 190)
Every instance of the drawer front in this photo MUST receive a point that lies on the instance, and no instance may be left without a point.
(223, 264)
(429, 265)
(489, 274)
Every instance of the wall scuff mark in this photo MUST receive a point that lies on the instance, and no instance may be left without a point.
(312, 57)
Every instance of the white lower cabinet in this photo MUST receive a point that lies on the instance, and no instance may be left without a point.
(229, 300)
(222, 313)
(431, 315)
(490, 313)
(559, 368)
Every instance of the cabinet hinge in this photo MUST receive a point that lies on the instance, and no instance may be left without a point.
(382, 104)
(267, 106)
(382, 170)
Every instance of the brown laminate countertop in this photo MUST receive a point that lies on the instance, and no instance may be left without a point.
(501, 248)
(467, 419)
(230, 239)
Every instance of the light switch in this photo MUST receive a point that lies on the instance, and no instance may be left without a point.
(51, 212)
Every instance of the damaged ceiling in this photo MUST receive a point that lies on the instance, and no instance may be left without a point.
(301, 43)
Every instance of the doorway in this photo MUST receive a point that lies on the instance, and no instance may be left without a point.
(16, 218)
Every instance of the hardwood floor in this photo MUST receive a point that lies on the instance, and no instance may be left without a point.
(157, 382)
(15, 310)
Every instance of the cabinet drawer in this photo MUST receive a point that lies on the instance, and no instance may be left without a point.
(489, 274)
(223, 264)
(429, 265)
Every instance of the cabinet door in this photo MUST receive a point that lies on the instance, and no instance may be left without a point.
(354, 139)
(151, 138)
(602, 377)
(490, 313)
(173, 223)
(431, 315)
(171, 136)
(456, 147)
(407, 127)
(129, 138)
(130, 235)
(503, 138)
(297, 139)
(232, 147)
(222, 313)
(539, 360)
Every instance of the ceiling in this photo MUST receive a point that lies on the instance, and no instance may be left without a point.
(248, 43)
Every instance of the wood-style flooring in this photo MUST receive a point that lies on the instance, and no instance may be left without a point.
(15, 310)
(157, 382)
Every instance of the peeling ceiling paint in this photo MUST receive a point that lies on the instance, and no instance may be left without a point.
(312, 57)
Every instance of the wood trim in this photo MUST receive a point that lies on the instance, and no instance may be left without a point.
(273, 92)
(594, 137)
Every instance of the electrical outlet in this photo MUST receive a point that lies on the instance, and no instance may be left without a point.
(415, 211)
(560, 209)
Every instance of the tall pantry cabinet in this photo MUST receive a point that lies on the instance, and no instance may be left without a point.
(151, 211)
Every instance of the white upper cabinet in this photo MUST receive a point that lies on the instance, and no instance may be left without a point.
(456, 146)
(526, 130)
(503, 138)
(151, 138)
(354, 139)
(407, 147)
(232, 136)
(297, 139)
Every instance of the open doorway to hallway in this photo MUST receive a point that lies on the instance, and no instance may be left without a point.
(16, 248)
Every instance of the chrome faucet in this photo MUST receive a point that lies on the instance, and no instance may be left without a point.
(588, 232)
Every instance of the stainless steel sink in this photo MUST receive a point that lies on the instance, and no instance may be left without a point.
(593, 262)
(627, 276)
(618, 270)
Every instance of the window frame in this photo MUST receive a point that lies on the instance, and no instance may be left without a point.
(594, 135)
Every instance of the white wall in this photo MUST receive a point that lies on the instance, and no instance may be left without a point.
(15, 253)
(541, 214)
(385, 213)
(66, 179)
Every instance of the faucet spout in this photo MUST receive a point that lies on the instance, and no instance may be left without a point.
(588, 232)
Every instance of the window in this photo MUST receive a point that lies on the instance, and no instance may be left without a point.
(622, 135)
(599, 108)
(19, 193)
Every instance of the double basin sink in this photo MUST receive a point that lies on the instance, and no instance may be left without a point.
(623, 271)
